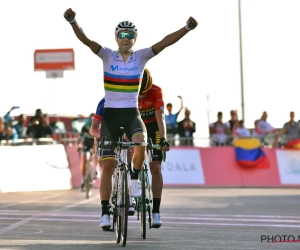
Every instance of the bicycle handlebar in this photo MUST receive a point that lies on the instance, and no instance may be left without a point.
(125, 144)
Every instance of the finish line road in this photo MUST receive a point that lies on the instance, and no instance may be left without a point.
(193, 218)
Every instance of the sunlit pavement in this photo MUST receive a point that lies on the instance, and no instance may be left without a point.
(193, 218)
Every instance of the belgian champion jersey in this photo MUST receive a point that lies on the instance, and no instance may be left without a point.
(152, 102)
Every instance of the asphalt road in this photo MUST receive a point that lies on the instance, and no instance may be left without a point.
(193, 218)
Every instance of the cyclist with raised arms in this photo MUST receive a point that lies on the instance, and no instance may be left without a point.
(151, 107)
(123, 71)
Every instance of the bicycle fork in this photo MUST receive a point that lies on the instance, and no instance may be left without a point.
(125, 166)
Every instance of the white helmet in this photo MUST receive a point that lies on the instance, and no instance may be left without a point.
(126, 25)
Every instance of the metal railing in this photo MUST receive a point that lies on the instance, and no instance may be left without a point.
(70, 139)
(28, 142)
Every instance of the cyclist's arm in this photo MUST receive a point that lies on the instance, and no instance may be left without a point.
(94, 46)
(159, 111)
(160, 118)
(97, 119)
(94, 129)
(175, 36)
(169, 40)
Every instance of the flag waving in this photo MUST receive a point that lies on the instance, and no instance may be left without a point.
(293, 144)
(249, 154)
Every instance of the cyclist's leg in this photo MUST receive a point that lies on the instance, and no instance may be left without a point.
(138, 133)
(108, 167)
(155, 168)
(157, 186)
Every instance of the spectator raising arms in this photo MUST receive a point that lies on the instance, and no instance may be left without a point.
(171, 120)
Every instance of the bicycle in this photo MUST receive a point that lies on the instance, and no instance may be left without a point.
(120, 198)
(144, 203)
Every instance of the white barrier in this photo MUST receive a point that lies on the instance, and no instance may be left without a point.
(289, 166)
(34, 168)
(182, 167)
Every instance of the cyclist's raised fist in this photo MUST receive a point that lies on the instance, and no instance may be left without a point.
(191, 23)
(69, 15)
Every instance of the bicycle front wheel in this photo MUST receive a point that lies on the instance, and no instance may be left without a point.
(124, 207)
(143, 204)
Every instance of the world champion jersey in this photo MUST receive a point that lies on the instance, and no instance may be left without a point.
(122, 80)
(147, 107)
(151, 103)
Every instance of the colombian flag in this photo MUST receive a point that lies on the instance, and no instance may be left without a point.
(293, 144)
(249, 154)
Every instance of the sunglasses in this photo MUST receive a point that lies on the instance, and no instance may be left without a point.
(123, 35)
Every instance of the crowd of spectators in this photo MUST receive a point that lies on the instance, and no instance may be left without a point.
(184, 128)
(37, 126)
(223, 133)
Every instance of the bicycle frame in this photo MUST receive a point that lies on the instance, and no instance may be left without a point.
(120, 197)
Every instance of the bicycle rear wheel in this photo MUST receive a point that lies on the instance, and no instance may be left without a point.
(149, 201)
(143, 204)
(88, 180)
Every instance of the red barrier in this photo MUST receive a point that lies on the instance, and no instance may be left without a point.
(221, 169)
(216, 165)
(74, 163)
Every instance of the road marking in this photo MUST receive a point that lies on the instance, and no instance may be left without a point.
(134, 221)
(195, 218)
(34, 217)
(30, 201)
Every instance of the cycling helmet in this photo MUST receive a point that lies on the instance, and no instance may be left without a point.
(146, 82)
(126, 25)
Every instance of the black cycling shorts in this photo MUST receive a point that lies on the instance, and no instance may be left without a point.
(153, 133)
(88, 143)
(114, 118)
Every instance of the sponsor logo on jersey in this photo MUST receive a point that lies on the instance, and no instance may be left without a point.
(113, 68)
(147, 113)
(123, 69)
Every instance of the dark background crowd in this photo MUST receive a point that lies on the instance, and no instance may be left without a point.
(222, 133)
(38, 126)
